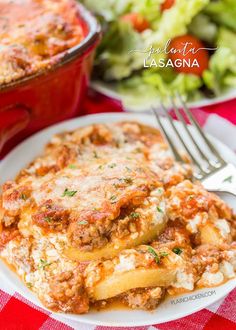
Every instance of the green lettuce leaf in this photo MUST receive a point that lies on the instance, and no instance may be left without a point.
(112, 9)
(142, 91)
(223, 12)
(222, 66)
(203, 28)
(227, 39)
(174, 22)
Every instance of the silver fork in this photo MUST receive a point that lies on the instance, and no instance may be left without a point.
(209, 167)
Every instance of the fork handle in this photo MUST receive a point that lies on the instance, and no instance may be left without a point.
(223, 181)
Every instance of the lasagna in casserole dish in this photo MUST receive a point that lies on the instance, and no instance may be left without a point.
(34, 33)
(106, 214)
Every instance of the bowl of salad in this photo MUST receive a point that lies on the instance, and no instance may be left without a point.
(125, 70)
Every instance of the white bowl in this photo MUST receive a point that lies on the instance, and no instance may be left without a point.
(108, 90)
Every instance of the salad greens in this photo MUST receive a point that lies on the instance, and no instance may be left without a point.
(213, 22)
(223, 12)
(222, 66)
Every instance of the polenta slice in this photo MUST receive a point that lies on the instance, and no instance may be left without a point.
(114, 248)
(149, 220)
(135, 268)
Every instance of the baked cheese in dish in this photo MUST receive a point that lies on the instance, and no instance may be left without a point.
(33, 33)
(106, 213)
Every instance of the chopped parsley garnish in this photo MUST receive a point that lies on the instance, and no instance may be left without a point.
(154, 254)
(23, 196)
(48, 219)
(43, 264)
(29, 285)
(134, 215)
(159, 209)
(157, 256)
(112, 165)
(177, 250)
(83, 222)
(113, 198)
(72, 166)
(128, 180)
(100, 167)
(69, 193)
(228, 179)
(164, 254)
(128, 169)
(190, 197)
(95, 155)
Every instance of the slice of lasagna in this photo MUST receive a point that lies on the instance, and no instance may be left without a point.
(106, 213)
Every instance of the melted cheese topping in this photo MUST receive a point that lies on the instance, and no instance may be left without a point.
(33, 32)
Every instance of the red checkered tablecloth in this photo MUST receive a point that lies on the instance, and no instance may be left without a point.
(17, 313)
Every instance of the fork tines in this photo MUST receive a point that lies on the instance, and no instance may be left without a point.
(201, 151)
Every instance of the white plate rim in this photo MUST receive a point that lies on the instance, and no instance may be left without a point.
(79, 122)
(103, 88)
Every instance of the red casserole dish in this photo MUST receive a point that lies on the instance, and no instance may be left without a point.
(34, 102)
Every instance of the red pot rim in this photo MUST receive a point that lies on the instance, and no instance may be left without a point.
(69, 55)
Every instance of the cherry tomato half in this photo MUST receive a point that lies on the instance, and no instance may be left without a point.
(167, 4)
(138, 22)
(190, 49)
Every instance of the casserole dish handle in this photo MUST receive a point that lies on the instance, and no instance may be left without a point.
(12, 120)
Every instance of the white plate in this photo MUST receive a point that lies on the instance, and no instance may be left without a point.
(110, 91)
(172, 308)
